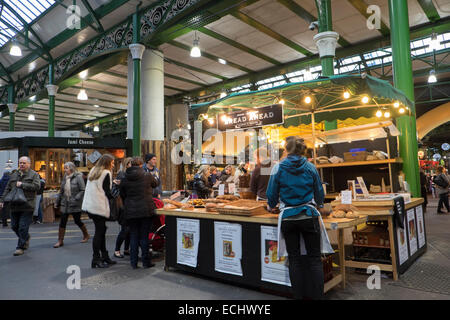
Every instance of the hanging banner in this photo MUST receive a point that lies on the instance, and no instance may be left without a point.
(188, 238)
(420, 226)
(228, 247)
(272, 269)
(412, 231)
(251, 118)
(402, 245)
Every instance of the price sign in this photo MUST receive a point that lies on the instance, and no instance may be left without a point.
(221, 189)
(346, 197)
(231, 188)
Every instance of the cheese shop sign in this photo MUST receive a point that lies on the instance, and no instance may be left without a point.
(251, 118)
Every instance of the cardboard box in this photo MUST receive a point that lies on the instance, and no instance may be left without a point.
(355, 156)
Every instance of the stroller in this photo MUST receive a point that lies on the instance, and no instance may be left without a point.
(156, 236)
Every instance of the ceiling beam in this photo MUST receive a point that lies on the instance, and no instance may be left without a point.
(429, 9)
(101, 92)
(93, 15)
(238, 45)
(186, 66)
(176, 89)
(262, 28)
(184, 79)
(308, 17)
(209, 56)
(362, 6)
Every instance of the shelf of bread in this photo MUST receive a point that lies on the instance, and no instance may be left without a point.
(359, 163)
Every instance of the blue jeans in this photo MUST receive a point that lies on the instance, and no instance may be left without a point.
(139, 230)
(20, 223)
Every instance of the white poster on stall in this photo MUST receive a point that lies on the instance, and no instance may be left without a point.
(272, 269)
(412, 231)
(188, 238)
(420, 226)
(228, 247)
(402, 245)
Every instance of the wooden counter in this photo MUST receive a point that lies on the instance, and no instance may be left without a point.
(384, 211)
(338, 224)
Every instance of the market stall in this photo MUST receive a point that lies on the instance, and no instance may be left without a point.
(240, 248)
(48, 156)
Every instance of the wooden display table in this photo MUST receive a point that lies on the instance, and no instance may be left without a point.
(251, 243)
(384, 211)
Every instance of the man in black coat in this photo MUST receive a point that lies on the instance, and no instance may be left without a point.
(22, 214)
(136, 190)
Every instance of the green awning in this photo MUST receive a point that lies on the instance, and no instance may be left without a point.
(328, 101)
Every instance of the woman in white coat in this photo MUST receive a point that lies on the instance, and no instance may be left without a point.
(96, 204)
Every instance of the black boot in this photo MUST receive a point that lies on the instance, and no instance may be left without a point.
(105, 258)
(98, 262)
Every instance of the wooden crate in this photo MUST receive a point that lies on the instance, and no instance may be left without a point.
(244, 207)
(327, 262)
(371, 236)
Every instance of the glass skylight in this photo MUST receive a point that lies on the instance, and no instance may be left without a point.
(15, 12)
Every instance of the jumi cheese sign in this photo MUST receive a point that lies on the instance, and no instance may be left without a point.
(251, 118)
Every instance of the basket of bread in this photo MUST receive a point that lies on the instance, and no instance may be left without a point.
(172, 204)
(345, 211)
(243, 207)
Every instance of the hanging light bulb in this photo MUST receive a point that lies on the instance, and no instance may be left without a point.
(379, 113)
(223, 94)
(346, 94)
(211, 121)
(401, 110)
(31, 117)
(96, 129)
(222, 61)
(282, 102)
(195, 50)
(15, 50)
(434, 43)
(432, 77)
(387, 114)
(308, 99)
(396, 104)
(82, 95)
(365, 99)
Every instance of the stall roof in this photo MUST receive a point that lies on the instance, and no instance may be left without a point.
(327, 102)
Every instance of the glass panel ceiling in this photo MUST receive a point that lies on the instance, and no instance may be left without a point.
(14, 12)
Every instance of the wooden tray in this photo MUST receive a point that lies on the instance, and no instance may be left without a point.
(246, 208)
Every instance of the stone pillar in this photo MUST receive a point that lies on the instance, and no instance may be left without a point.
(152, 90)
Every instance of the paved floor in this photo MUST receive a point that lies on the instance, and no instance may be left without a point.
(41, 272)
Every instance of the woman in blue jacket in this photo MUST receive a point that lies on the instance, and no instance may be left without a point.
(296, 185)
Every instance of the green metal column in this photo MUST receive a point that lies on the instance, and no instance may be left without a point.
(136, 51)
(403, 80)
(12, 115)
(51, 88)
(326, 24)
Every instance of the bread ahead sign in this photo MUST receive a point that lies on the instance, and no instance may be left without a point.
(251, 118)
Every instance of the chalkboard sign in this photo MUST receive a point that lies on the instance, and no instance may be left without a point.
(251, 118)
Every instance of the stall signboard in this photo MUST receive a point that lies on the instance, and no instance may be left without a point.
(188, 238)
(403, 254)
(412, 231)
(251, 118)
(272, 269)
(94, 156)
(228, 247)
(420, 226)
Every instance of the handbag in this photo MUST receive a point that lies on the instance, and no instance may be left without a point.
(115, 207)
(16, 197)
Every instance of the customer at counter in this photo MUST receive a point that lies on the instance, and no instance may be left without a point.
(201, 183)
(226, 173)
(294, 184)
(212, 176)
(442, 182)
(261, 174)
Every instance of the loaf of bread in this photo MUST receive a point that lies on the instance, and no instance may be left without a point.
(338, 214)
